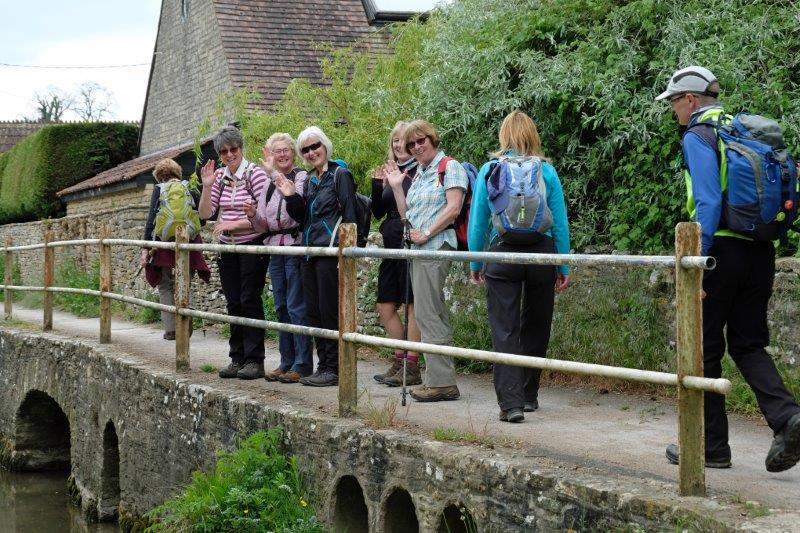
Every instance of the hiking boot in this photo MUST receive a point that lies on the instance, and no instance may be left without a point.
(291, 376)
(169, 335)
(673, 454)
(785, 450)
(326, 378)
(435, 394)
(413, 375)
(274, 375)
(514, 415)
(531, 406)
(251, 370)
(397, 366)
(230, 371)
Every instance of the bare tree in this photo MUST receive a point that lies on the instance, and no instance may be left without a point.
(51, 104)
(93, 101)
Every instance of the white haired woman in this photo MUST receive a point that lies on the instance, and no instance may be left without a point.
(330, 199)
(271, 218)
(226, 193)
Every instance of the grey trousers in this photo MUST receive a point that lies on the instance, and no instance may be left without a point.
(427, 281)
(166, 296)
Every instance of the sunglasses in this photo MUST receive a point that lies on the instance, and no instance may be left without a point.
(676, 98)
(226, 151)
(304, 150)
(418, 142)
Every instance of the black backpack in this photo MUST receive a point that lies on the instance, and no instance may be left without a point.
(363, 213)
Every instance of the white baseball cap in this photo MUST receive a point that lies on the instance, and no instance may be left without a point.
(692, 79)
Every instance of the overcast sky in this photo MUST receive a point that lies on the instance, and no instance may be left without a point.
(49, 33)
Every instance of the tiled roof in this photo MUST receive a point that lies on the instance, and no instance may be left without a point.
(270, 42)
(127, 170)
(14, 131)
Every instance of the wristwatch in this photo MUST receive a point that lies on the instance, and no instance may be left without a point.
(427, 233)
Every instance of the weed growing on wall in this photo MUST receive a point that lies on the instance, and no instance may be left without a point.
(254, 488)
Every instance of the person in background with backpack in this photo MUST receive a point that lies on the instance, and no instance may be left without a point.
(519, 196)
(271, 218)
(172, 203)
(432, 205)
(329, 200)
(394, 284)
(737, 291)
(226, 193)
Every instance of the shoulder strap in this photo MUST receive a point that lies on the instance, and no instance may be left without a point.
(270, 192)
(441, 168)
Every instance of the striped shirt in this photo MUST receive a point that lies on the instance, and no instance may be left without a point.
(246, 184)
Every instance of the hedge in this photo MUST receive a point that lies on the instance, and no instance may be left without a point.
(56, 157)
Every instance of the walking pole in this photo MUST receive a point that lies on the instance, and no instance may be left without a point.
(407, 243)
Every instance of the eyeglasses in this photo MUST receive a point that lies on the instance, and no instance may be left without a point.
(677, 97)
(226, 151)
(282, 151)
(305, 149)
(416, 142)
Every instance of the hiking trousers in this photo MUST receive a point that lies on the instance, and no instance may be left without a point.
(520, 300)
(321, 293)
(737, 294)
(243, 277)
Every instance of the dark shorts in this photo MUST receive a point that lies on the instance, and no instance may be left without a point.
(392, 274)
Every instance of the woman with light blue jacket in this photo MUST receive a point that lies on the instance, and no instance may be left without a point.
(518, 205)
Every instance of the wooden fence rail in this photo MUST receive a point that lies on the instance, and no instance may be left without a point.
(688, 264)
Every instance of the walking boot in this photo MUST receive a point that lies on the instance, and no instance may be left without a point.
(785, 450)
(435, 394)
(231, 370)
(514, 415)
(413, 375)
(325, 378)
(531, 406)
(274, 375)
(673, 456)
(251, 370)
(292, 376)
(169, 335)
(397, 366)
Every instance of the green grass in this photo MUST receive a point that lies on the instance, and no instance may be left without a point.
(457, 435)
(208, 369)
(255, 488)
(69, 275)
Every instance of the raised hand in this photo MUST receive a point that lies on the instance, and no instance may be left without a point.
(284, 185)
(393, 175)
(379, 174)
(207, 174)
(268, 163)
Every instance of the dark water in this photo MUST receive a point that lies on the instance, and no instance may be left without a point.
(39, 503)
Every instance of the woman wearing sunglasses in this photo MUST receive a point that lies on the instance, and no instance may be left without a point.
(227, 192)
(329, 200)
(431, 206)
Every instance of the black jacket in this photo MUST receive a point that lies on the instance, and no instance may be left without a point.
(326, 199)
(150, 225)
(384, 204)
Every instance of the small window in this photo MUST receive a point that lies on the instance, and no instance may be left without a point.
(184, 10)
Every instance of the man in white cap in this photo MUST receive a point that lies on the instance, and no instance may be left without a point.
(737, 291)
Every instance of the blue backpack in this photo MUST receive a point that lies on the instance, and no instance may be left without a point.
(518, 196)
(759, 177)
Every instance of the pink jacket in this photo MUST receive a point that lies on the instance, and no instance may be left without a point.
(271, 217)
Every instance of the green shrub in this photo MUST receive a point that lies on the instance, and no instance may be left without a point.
(16, 278)
(588, 71)
(255, 488)
(69, 275)
(56, 157)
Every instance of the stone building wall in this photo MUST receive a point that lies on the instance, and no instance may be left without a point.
(189, 73)
(137, 197)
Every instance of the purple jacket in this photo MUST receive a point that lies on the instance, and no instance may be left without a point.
(273, 219)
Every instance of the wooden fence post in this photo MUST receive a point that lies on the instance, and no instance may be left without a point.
(9, 278)
(348, 351)
(106, 285)
(183, 279)
(688, 294)
(49, 267)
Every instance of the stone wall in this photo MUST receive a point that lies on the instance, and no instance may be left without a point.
(190, 71)
(135, 197)
(133, 435)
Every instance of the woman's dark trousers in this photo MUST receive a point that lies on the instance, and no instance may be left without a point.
(243, 277)
(321, 292)
(520, 301)
(737, 295)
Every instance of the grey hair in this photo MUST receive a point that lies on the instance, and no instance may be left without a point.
(228, 136)
(281, 137)
(314, 131)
